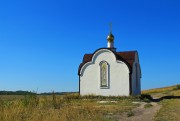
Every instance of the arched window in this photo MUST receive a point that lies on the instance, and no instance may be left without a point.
(104, 71)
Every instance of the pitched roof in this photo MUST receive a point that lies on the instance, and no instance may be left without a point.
(127, 56)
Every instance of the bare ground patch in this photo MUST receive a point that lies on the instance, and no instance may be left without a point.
(140, 113)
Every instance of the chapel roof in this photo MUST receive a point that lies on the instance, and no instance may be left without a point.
(127, 56)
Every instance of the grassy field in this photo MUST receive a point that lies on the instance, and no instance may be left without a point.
(62, 108)
(72, 107)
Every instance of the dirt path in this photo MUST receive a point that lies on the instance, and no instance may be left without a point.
(140, 113)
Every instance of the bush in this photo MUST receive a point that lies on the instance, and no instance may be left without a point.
(146, 98)
(130, 113)
(177, 87)
(30, 100)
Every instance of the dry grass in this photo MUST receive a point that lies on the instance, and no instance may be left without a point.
(159, 90)
(72, 107)
(60, 108)
(170, 110)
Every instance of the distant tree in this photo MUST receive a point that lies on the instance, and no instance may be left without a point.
(19, 92)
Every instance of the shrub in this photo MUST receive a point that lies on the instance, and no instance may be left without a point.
(54, 101)
(130, 113)
(177, 87)
(146, 98)
(30, 100)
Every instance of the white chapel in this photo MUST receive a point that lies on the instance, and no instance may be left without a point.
(107, 72)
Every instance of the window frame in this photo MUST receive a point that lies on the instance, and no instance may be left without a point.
(107, 75)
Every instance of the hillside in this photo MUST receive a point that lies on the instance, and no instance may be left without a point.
(169, 99)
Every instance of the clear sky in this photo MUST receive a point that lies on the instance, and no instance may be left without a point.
(42, 42)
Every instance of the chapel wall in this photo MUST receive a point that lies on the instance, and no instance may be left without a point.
(118, 76)
(136, 88)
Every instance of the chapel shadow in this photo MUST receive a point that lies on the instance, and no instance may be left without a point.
(165, 97)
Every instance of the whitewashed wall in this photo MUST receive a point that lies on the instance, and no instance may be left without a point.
(118, 78)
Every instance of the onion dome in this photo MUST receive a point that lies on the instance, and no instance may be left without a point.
(110, 37)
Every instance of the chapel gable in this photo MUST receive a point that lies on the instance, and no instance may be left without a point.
(108, 72)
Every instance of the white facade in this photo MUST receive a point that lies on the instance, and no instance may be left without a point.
(122, 80)
(110, 73)
(118, 79)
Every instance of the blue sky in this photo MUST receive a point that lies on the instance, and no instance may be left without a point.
(42, 42)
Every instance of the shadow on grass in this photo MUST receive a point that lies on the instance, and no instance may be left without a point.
(149, 98)
(165, 97)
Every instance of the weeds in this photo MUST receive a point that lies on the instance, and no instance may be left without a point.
(54, 101)
(30, 100)
(61, 108)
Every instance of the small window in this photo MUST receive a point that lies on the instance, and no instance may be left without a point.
(104, 69)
